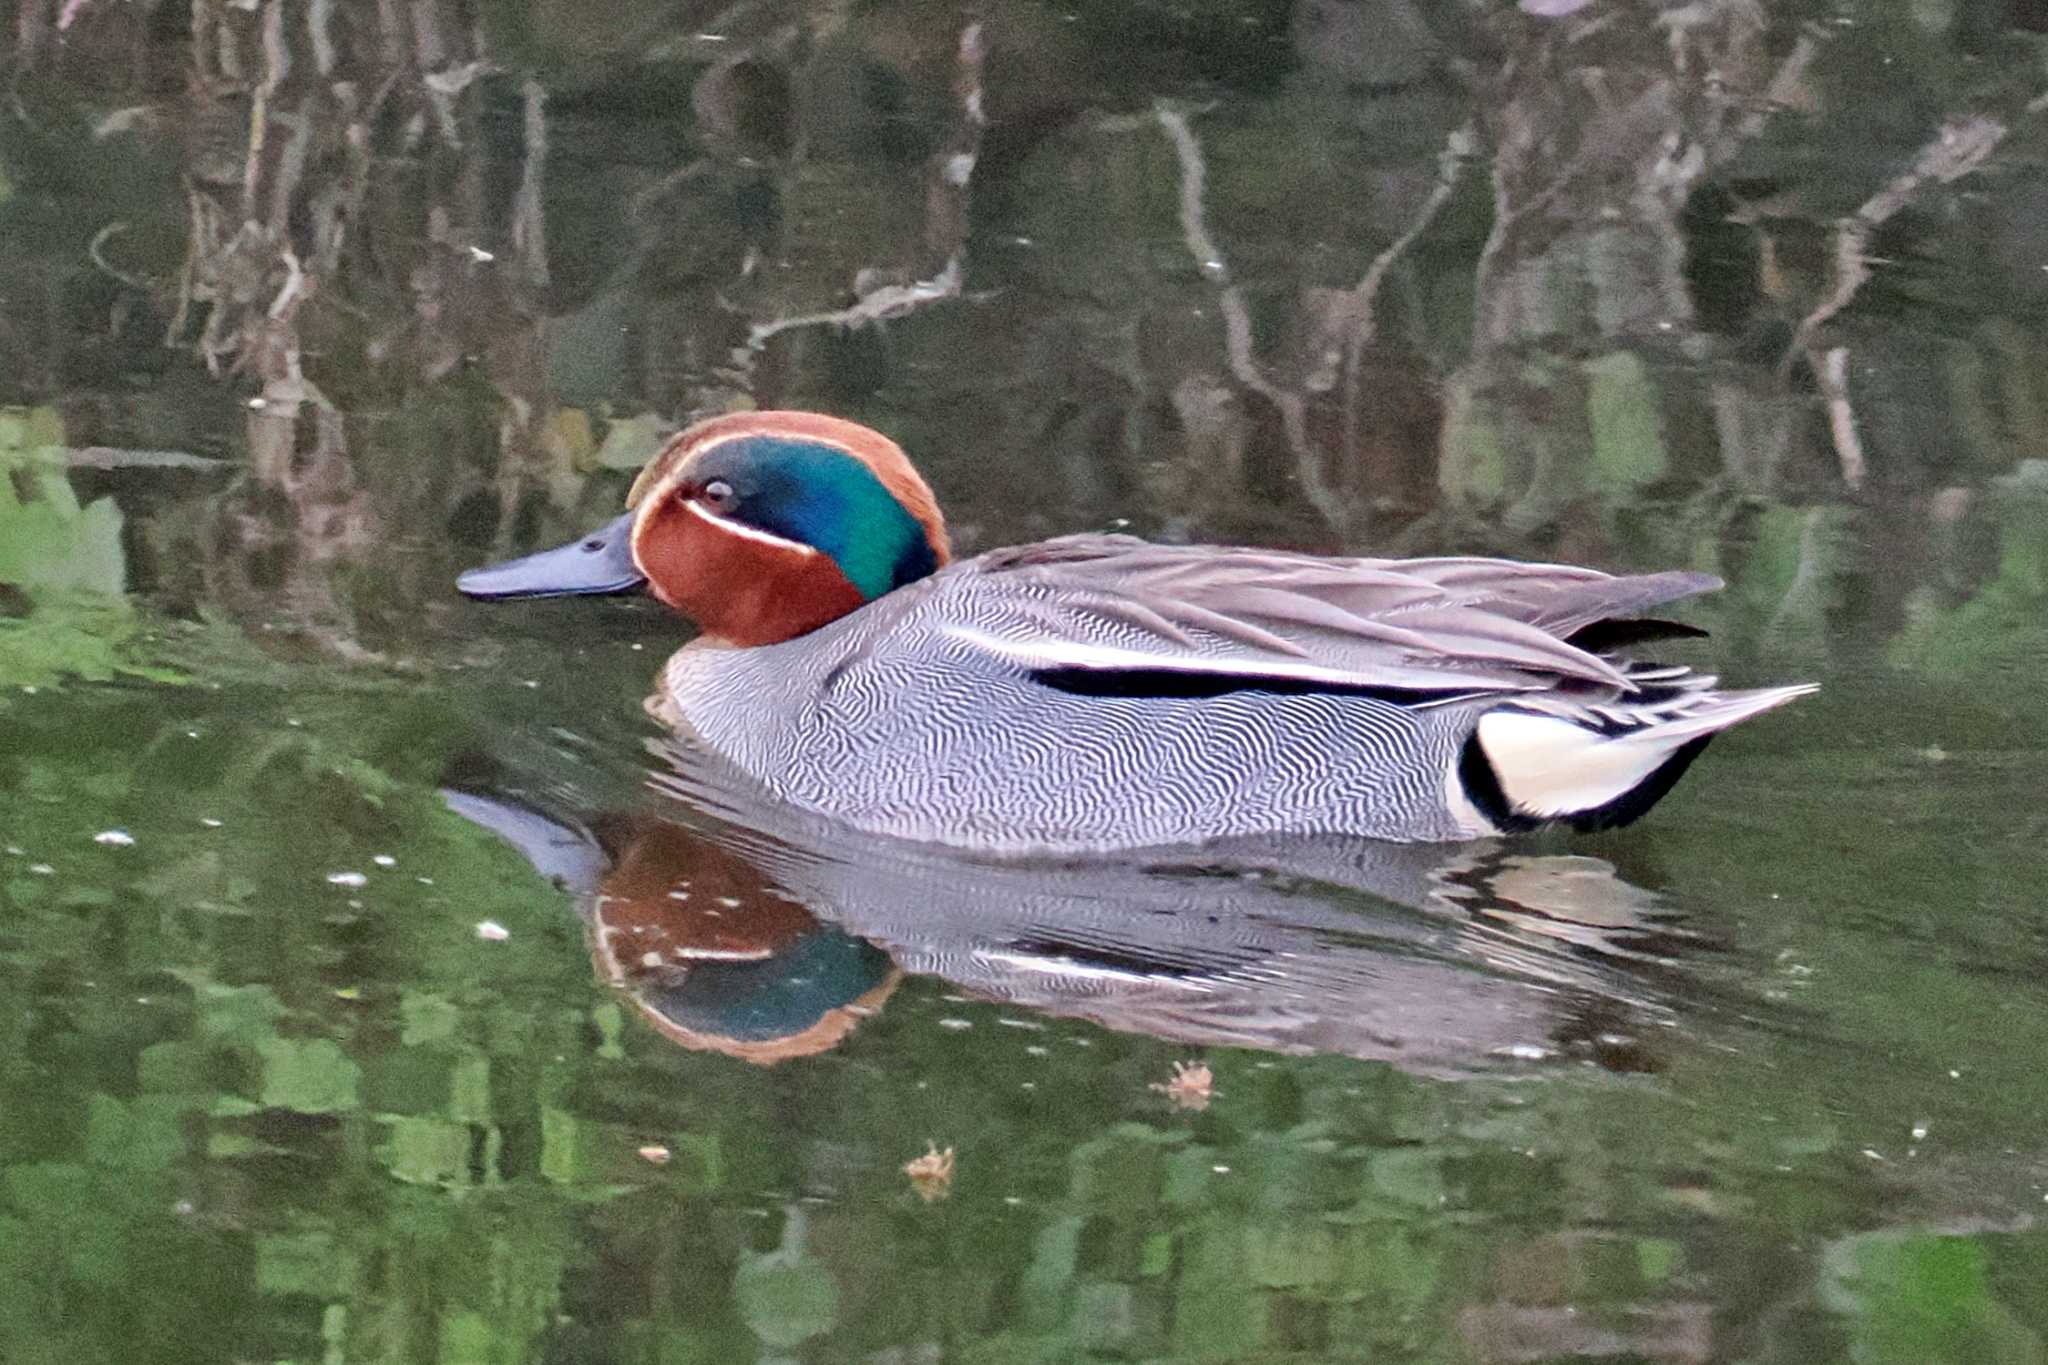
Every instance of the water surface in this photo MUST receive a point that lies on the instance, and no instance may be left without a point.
(353, 1013)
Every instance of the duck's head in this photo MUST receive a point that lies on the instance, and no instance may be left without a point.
(759, 526)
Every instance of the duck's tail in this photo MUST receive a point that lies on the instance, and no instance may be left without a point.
(1604, 767)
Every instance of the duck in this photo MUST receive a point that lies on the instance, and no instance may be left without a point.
(1101, 692)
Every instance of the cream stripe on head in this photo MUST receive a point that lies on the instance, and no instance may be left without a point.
(741, 529)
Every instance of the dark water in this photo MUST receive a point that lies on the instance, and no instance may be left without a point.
(379, 986)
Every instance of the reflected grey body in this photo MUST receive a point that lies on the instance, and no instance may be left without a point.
(1435, 957)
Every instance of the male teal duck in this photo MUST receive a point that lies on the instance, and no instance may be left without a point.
(1101, 692)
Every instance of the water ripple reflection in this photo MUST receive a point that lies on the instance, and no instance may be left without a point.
(741, 925)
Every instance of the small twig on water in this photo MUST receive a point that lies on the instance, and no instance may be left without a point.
(1960, 148)
(1193, 177)
(1362, 303)
(1237, 322)
(320, 29)
(294, 288)
(952, 171)
(1833, 373)
(653, 195)
(877, 305)
(291, 167)
(1786, 91)
(1457, 151)
(96, 251)
(529, 223)
(116, 457)
(277, 64)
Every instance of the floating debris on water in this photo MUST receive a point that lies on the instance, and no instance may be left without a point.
(349, 879)
(384, 860)
(931, 1175)
(490, 931)
(1191, 1086)
(655, 1153)
(114, 838)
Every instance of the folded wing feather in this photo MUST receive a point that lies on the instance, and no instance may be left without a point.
(1434, 625)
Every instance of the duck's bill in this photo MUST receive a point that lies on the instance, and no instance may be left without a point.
(600, 562)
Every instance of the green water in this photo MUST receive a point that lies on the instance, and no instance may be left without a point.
(330, 1033)
(254, 1113)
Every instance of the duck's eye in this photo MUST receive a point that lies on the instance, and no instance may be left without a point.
(718, 495)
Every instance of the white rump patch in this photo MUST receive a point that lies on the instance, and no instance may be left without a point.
(1549, 768)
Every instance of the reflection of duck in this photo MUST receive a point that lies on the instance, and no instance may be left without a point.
(1098, 691)
(716, 957)
(739, 923)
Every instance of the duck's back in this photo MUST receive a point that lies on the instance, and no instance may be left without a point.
(1101, 692)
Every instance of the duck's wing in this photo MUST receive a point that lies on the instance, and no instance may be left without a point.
(1101, 608)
